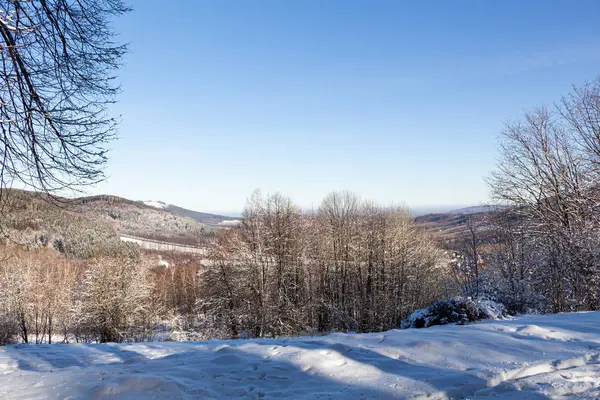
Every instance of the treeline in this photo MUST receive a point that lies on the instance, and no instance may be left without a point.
(354, 266)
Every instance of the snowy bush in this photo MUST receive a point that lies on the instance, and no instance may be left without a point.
(460, 310)
(517, 296)
(116, 302)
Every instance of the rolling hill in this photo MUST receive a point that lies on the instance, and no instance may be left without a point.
(32, 217)
(202, 217)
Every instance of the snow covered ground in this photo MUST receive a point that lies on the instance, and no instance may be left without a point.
(155, 204)
(532, 357)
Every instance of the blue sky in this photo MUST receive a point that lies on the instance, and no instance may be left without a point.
(400, 102)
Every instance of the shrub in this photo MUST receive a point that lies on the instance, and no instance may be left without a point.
(459, 310)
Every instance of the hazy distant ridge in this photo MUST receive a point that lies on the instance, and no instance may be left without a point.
(476, 209)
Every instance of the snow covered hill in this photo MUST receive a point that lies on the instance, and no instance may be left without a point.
(205, 218)
(155, 204)
(532, 357)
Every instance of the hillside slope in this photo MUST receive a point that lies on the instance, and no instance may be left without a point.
(30, 218)
(135, 218)
(32, 221)
(202, 217)
(449, 226)
(532, 357)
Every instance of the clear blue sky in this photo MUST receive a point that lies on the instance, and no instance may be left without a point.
(396, 101)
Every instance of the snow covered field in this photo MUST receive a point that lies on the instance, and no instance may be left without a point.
(532, 357)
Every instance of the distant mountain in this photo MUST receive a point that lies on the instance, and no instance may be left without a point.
(205, 218)
(475, 210)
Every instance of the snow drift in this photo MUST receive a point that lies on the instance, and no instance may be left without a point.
(537, 357)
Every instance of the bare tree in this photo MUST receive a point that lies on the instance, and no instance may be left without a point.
(354, 266)
(581, 110)
(116, 301)
(544, 174)
(56, 81)
(36, 293)
(514, 276)
(466, 262)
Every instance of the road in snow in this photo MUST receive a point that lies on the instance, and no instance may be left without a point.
(535, 357)
(150, 244)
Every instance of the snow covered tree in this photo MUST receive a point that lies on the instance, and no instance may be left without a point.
(353, 266)
(116, 302)
(36, 293)
(545, 174)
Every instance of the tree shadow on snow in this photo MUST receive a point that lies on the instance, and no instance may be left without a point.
(50, 357)
(308, 368)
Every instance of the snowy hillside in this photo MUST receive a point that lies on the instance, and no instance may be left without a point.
(155, 204)
(205, 218)
(536, 357)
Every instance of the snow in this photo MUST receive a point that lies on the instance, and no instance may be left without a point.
(155, 204)
(490, 308)
(535, 357)
(231, 222)
(161, 246)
